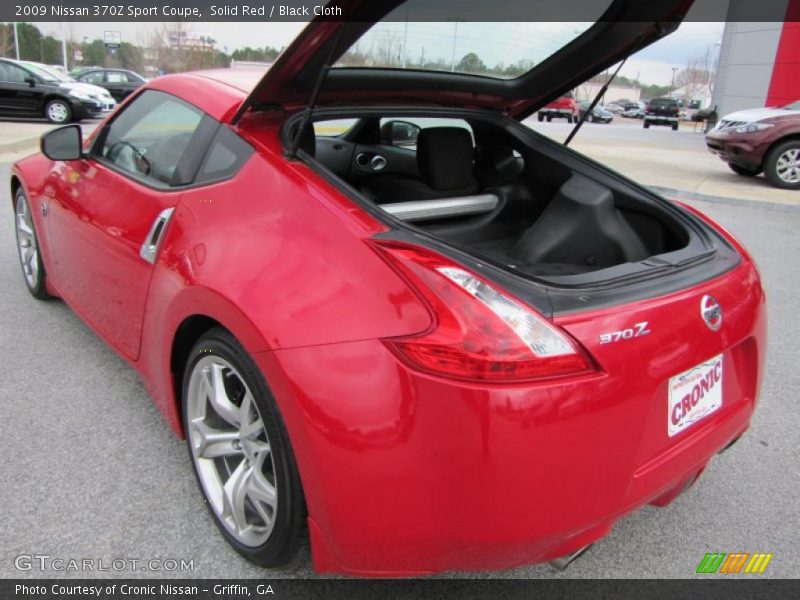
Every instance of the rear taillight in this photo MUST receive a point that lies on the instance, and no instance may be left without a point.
(478, 332)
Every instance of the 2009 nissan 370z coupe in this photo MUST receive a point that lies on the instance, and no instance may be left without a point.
(383, 311)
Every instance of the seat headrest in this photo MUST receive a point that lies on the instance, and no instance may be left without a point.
(445, 156)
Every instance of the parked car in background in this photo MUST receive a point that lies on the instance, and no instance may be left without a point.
(94, 91)
(564, 108)
(662, 111)
(633, 111)
(120, 83)
(80, 70)
(613, 108)
(29, 91)
(598, 115)
(761, 139)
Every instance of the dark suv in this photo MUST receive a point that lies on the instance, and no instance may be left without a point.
(662, 111)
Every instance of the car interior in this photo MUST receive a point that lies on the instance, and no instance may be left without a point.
(475, 184)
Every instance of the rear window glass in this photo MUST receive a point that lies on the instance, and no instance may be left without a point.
(439, 35)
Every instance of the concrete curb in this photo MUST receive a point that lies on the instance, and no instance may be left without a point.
(765, 204)
(29, 143)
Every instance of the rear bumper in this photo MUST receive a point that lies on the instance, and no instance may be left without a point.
(660, 120)
(406, 473)
(557, 112)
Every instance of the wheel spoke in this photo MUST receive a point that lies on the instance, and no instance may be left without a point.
(250, 422)
(260, 490)
(234, 493)
(218, 397)
(23, 227)
(209, 442)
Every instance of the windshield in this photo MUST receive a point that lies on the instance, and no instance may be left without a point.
(47, 74)
(793, 106)
(437, 35)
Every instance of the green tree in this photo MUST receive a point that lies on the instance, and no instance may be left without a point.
(471, 63)
(94, 53)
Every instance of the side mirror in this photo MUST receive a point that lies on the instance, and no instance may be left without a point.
(64, 143)
(399, 133)
(30, 81)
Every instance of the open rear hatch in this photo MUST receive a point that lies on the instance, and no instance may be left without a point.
(598, 34)
(526, 209)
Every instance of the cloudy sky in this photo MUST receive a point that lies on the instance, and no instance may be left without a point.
(653, 65)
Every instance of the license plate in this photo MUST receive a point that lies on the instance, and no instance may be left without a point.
(694, 394)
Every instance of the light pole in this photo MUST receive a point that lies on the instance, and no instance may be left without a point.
(16, 40)
(672, 85)
(64, 47)
(455, 36)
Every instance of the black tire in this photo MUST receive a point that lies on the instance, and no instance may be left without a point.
(289, 527)
(58, 111)
(541, 117)
(549, 118)
(744, 171)
(674, 127)
(771, 165)
(646, 125)
(37, 285)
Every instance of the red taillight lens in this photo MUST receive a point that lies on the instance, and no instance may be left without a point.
(479, 333)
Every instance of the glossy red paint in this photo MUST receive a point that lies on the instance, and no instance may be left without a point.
(403, 472)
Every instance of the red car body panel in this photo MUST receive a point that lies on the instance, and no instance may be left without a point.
(450, 475)
(403, 472)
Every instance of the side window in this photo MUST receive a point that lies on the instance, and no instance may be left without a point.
(228, 152)
(150, 137)
(333, 127)
(12, 73)
(116, 77)
(93, 77)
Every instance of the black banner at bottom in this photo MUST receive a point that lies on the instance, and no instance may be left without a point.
(385, 589)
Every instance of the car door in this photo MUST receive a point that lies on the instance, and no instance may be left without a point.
(109, 211)
(116, 82)
(17, 96)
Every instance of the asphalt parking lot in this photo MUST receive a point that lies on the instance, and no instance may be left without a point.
(92, 471)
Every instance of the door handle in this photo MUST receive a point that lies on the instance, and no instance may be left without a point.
(149, 249)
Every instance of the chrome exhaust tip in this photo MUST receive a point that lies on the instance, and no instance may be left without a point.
(563, 562)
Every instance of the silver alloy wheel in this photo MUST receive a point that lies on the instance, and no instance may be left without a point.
(57, 112)
(787, 166)
(231, 450)
(26, 242)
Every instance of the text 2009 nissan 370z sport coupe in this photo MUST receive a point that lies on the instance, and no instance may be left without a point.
(382, 310)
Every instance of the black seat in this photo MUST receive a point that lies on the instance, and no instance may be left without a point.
(445, 159)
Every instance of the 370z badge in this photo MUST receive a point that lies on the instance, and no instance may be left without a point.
(638, 330)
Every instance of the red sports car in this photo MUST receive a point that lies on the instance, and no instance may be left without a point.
(383, 311)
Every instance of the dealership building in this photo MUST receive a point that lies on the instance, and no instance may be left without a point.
(759, 63)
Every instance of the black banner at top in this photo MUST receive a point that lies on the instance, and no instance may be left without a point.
(352, 10)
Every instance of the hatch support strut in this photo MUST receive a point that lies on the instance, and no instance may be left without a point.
(291, 151)
(601, 93)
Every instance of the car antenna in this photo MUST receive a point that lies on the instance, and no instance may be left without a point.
(291, 151)
(601, 93)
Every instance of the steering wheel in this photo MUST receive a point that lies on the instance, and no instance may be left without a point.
(140, 161)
